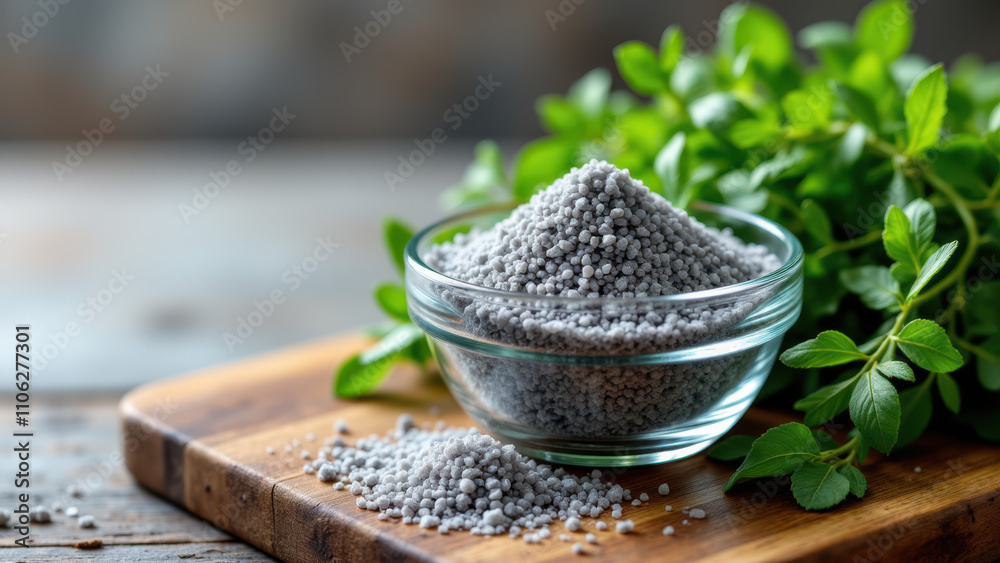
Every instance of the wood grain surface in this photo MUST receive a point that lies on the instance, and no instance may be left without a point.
(77, 442)
(200, 441)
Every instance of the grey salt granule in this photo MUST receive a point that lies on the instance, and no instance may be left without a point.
(458, 479)
(598, 233)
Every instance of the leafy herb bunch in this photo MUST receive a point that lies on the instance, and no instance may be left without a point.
(899, 154)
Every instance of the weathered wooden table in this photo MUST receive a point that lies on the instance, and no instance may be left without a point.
(78, 442)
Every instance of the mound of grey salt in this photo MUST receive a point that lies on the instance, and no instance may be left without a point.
(458, 479)
(597, 233)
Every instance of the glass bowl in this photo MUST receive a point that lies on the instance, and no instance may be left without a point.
(561, 400)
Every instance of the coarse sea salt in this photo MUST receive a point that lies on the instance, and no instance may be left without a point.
(458, 479)
(598, 233)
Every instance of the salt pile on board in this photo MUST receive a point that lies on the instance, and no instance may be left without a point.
(458, 479)
(599, 234)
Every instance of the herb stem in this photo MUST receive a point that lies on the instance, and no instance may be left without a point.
(841, 246)
(969, 220)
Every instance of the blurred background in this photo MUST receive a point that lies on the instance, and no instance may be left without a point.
(167, 167)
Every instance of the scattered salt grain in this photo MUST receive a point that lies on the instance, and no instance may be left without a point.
(565, 537)
(917, 469)
(668, 508)
(296, 443)
(338, 486)
(288, 448)
(341, 427)
(573, 524)
(624, 527)
(305, 454)
(41, 514)
(663, 489)
(72, 511)
(591, 538)
(601, 525)
(643, 497)
(636, 502)
(697, 513)
(685, 522)
(270, 450)
(310, 437)
(85, 521)
(668, 531)
(578, 548)
(309, 469)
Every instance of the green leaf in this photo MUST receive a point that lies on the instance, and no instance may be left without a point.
(733, 447)
(362, 374)
(874, 284)
(825, 34)
(757, 30)
(396, 234)
(896, 370)
(560, 116)
(925, 108)
(857, 479)
(716, 111)
(826, 402)
(859, 104)
(817, 486)
(917, 408)
(988, 363)
(671, 48)
(540, 163)
(692, 77)
(885, 27)
(950, 394)
(927, 344)
(778, 451)
(748, 133)
(448, 234)
(817, 222)
(671, 167)
(875, 411)
(932, 266)
(899, 239)
(923, 221)
(392, 298)
(638, 65)
(829, 348)
(808, 108)
(590, 93)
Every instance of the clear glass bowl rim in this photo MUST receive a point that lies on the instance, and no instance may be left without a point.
(787, 270)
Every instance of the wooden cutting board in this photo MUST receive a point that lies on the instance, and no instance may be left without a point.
(200, 441)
